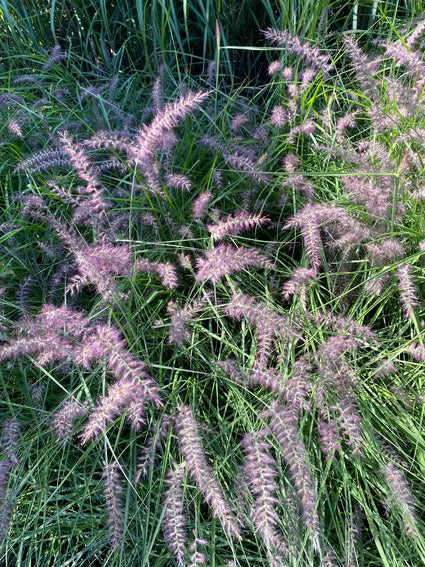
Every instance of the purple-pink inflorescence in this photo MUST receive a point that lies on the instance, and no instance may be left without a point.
(113, 497)
(201, 471)
(283, 424)
(261, 476)
(174, 521)
(226, 259)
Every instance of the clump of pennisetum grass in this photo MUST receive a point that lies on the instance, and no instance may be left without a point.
(236, 305)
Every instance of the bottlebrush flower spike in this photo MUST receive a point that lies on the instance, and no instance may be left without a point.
(376, 196)
(274, 67)
(108, 139)
(113, 497)
(157, 98)
(297, 392)
(201, 471)
(311, 55)
(165, 270)
(238, 122)
(174, 521)
(126, 367)
(330, 353)
(415, 35)
(178, 181)
(27, 79)
(341, 324)
(401, 496)
(329, 438)
(231, 367)
(63, 320)
(366, 68)
(278, 116)
(6, 504)
(261, 473)
(417, 351)
(298, 282)
(403, 56)
(128, 394)
(408, 292)
(345, 122)
(49, 336)
(283, 426)
(345, 230)
(225, 259)
(63, 420)
(159, 432)
(290, 163)
(165, 119)
(46, 348)
(86, 171)
(79, 161)
(200, 204)
(44, 160)
(55, 57)
(36, 391)
(106, 342)
(99, 265)
(267, 377)
(267, 322)
(384, 252)
(348, 419)
(15, 128)
(307, 128)
(10, 435)
(236, 224)
(308, 220)
(239, 159)
(179, 332)
(197, 558)
(98, 344)
(308, 76)
(9, 99)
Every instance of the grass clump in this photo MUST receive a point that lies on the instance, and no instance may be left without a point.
(212, 312)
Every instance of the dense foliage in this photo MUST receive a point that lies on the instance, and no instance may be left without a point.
(212, 307)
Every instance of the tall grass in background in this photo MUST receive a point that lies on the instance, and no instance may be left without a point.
(138, 35)
(212, 296)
